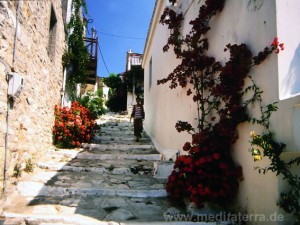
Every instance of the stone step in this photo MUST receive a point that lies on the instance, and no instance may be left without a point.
(102, 208)
(36, 189)
(126, 133)
(100, 155)
(126, 167)
(113, 146)
(151, 157)
(121, 139)
(118, 151)
(77, 219)
(123, 127)
(119, 123)
(66, 183)
(114, 121)
(114, 137)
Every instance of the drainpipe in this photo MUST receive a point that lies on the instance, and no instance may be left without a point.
(9, 101)
(63, 92)
(6, 146)
(6, 135)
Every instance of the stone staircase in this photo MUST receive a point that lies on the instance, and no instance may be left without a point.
(109, 181)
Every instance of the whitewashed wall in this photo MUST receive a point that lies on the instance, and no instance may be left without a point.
(254, 23)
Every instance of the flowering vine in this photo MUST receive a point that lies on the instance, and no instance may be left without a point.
(76, 57)
(264, 145)
(208, 173)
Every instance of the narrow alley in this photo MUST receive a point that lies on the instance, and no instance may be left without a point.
(110, 179)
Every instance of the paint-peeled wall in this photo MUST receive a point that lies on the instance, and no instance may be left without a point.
(35, 54)
(254, 23)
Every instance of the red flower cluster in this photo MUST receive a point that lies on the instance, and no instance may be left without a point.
(204, 176)
(72, 126)
(277, 46)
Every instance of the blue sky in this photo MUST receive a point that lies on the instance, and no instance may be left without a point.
(129, 19)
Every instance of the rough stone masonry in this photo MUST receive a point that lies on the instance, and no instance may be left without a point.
(35, 54)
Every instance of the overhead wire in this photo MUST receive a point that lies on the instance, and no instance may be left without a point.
(103, 59)
(95, 33)
(120, 36)
(113, 35)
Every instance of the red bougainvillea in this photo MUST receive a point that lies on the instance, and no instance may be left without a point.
(207, 173)
(72, 126)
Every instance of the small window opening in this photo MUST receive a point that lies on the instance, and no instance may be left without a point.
(52, 34)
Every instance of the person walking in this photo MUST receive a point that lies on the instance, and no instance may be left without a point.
(138, 114)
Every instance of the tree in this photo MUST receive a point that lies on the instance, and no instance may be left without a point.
(117, 94)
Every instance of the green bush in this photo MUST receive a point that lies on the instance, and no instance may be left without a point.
(94, 102)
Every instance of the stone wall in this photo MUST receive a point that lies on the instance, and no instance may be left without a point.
(39, 46)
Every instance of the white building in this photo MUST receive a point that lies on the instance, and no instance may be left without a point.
(132, 59)
(255, 23)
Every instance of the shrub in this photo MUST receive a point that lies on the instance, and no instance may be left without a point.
(72, 126)
(94, 102)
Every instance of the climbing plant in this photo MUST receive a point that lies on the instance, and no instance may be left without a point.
(76, 57)
(208, 173)
(264, 145)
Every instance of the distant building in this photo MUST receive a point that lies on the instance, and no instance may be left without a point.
(101, 86)
(132, 60)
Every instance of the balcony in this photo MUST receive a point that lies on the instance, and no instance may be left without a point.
(92, 46)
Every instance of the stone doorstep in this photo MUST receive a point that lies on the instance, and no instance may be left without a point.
(84, 220)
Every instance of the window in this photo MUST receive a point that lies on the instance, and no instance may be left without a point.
(52, 33)
(150, 73)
